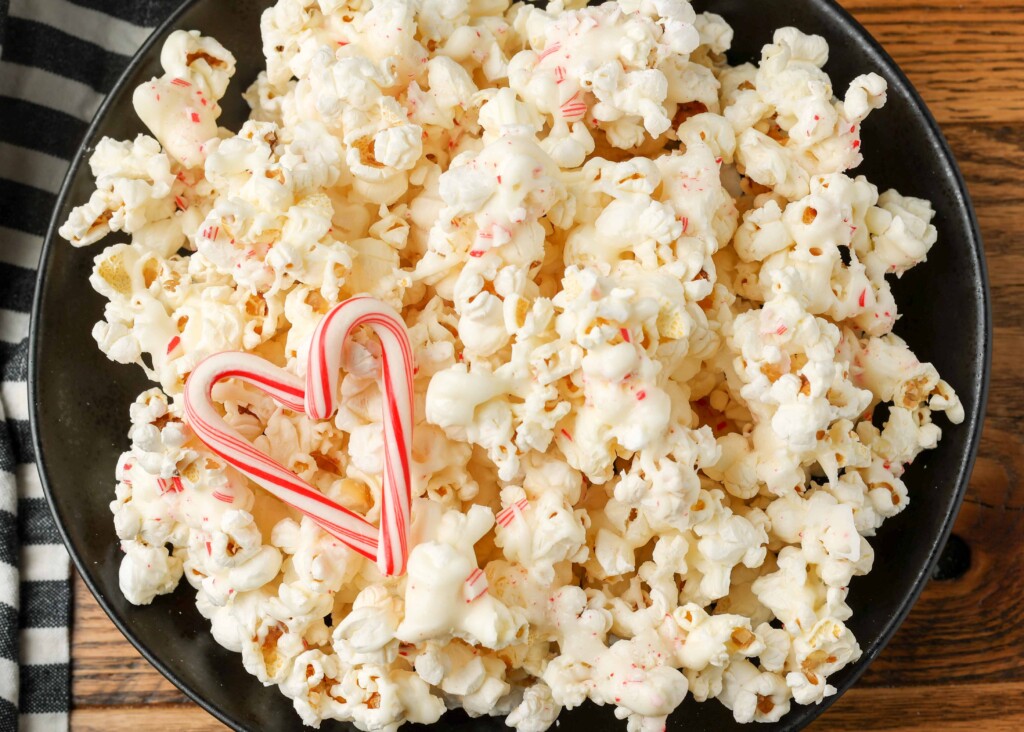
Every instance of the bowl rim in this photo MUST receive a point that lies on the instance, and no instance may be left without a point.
(973, 419)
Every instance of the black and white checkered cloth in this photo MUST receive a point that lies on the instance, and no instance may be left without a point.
(57, 60)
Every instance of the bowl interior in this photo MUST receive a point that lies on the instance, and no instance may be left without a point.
(80, 400)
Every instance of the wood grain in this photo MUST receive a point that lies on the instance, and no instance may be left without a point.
(107, 670)
(956, 663)
(132, 719)
(966, 58)
(992, 707)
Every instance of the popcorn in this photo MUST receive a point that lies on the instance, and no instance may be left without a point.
(314, 559)
(827, 535)
(133, 183)
(626, 674)
(752, 695)
(593, 62)
(367, 634)
(548, 531)
(187, 54)
(726, 540)
(537, 711)
(312, 685)
(435, 599)
(475, 680)
(147, 571)
(713, 640)
(181, 107)
(652, 322)
(230, 558)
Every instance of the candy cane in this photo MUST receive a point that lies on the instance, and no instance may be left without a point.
(287, 390)
(317, 398)
(322, 374)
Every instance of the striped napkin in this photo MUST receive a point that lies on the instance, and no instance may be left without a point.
(57, 60)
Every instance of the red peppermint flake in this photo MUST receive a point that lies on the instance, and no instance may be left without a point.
(781, 330)
(476, 253)
(624, 332)
(573, 107)
(173, 344)
(862, 298)
(477, 596)
(641, 395)
(181, 203)
(567, 435)
(574, 111)
(180, 82)
(553, 48)
(195, 117)
(685, 221)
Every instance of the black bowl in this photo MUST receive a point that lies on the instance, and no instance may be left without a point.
(80, 400)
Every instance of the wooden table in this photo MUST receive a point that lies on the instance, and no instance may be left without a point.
(958, 661)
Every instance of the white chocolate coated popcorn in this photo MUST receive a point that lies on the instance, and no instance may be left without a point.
(652, 317)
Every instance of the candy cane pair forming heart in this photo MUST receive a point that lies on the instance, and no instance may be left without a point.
(388, 545)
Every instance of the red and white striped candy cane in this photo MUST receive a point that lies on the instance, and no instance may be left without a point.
(389, 545)
(287, 390)
(322, 374)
